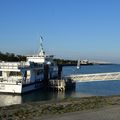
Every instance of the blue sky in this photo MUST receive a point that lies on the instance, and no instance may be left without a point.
(72, 29)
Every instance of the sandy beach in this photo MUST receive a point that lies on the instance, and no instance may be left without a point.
(107, 113)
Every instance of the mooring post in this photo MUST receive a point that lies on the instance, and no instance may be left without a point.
(59, 71)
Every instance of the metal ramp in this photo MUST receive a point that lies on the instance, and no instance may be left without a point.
(94, 77)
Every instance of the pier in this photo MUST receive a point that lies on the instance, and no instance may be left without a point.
(58, 85)
(94, 77)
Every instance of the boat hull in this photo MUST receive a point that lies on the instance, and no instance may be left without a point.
(10, 88)
(19, 88)
(32, 86)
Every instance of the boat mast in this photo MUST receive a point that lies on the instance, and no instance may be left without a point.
(41, 53)
(78, 64)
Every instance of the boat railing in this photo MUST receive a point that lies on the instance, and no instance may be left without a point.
(19, 65)
(12, 65)
(57, 82)
(14, 80)
(10, 80)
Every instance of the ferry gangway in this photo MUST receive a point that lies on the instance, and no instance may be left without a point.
(94, 77)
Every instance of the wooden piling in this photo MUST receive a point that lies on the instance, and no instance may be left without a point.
(58, 85)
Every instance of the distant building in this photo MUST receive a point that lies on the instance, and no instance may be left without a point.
(84, 61)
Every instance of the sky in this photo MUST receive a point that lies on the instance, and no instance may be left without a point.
(72, 29)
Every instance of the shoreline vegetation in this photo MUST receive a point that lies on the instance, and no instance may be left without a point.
(37, 110)
(11, 57)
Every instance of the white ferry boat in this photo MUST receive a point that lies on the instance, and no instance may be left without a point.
(21, 77)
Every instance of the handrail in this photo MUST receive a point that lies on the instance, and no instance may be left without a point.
(95, 77)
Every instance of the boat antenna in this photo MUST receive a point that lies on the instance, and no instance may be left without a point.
(41, 42)
(41, 46)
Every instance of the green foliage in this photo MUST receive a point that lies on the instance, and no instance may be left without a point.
(65, 62)
(11, 57)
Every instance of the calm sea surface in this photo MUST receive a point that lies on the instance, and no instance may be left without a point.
(98, 88)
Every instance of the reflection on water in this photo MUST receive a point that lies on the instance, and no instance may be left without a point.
(6, 99)
(42, 96)
(82, 89)
(99, 88)
(34, 96)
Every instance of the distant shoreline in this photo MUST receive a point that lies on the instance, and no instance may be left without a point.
(87, 64)
(75, 64)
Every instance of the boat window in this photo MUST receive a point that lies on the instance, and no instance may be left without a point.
(52, 64)
(39, 72)
(0, 73)
(12, 73)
